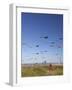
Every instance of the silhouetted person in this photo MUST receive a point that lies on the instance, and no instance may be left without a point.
(50, 67)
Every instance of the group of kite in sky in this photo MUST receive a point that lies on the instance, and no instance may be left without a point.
(51, 45)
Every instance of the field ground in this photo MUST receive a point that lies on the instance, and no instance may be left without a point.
(28, 70)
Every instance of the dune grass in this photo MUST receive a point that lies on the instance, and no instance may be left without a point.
(41, 71)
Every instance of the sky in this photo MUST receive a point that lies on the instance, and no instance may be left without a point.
(41, 38)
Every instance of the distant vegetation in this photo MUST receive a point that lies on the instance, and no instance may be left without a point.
(41, 70)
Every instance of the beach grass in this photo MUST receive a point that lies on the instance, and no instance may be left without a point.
(41, 70)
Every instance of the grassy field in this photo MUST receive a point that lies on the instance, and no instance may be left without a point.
(41, 70)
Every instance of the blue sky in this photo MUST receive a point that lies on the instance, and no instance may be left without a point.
(41, 38)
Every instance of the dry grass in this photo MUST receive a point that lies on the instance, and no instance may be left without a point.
(41, 70)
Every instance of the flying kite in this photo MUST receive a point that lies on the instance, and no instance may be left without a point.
(26, 45)
(36, 53)
(51, 45)
(60, 38)
(45, 37)
(52, 42)
(37, 45)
